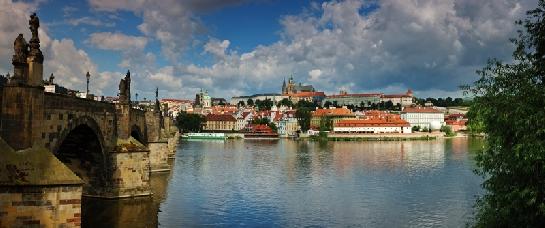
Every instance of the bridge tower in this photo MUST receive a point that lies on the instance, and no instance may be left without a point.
(23, 97)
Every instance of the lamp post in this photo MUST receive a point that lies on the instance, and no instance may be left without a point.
(87, 76)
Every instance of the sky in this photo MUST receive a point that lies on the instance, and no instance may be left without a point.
(242, 47)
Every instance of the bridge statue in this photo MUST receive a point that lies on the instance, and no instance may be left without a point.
(20, 48)
(35, 52)
(125, 88)
(34, 23)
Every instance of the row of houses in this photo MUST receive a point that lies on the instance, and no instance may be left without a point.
(285, 121)
(343, 120)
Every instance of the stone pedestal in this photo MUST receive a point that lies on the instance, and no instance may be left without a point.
(159, 156)
(22, 115)
(35, 73)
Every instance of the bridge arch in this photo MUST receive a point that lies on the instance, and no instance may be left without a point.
(81, 148)
(136, 133)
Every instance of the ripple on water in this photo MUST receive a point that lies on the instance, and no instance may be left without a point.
(295, 183)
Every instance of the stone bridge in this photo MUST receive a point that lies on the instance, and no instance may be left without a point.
(94, 148)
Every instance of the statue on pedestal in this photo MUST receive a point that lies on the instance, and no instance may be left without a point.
(125, 88)
(35, 52)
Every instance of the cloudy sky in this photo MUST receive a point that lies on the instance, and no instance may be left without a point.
(241, 47)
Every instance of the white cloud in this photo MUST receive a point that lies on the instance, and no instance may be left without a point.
(314, 75)
(89, 21)
(426, 45)
(217, 48)
(117, 41)
(68, 63)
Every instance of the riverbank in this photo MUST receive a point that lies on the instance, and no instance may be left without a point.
(382, 137)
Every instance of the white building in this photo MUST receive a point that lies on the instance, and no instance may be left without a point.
(372, 126)
(243, 119)
(424, 117)
(275, 97)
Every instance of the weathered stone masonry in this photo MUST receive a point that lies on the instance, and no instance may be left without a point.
(55, 148)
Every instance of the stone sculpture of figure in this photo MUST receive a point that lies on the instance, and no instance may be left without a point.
(51, 78)
(125, 88)
(122, 87)
(35, 51)
(20, 49)
(34, 23)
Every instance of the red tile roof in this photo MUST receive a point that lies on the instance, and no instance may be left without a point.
(356, 95)
(333, 112)
(308, 94)
(374, 122)
(421, 110)
(220, 117)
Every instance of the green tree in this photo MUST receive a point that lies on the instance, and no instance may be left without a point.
(285, 102)
(250, 102)
(303, 116)
(241, 104)
(448, 131)
(306, 104)
(326, 123)
(189, 122)
(509, 100)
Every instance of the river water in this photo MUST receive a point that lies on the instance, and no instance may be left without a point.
(285, 183)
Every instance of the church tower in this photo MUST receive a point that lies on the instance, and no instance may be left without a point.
(284, 86)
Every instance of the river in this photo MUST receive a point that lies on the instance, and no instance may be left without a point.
(285, 183)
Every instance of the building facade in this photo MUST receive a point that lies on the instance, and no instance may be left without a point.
(334, 114)
(345, 99)
(424, 117)
(372, 126)
(274, 97)
(220, 123)
(368, 99)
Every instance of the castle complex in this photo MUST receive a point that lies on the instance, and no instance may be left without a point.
(293, 88)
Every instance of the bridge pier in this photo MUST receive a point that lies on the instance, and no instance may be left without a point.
(159, 156)
(36, 189)
(130, 174)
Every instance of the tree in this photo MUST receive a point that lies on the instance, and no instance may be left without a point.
(389, 105)
(326, 123)
(415, 128)
(285, 102)
(250, 102)
(241, 104)
(264, 105)
(448, 131)
(306, 104)
(327, 104)
(189, 122)
(508, 101)
(303, 116)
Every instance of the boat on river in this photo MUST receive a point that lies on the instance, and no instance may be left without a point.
(220, 136)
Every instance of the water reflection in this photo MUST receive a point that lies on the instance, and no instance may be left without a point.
(300, 183)
(129, 212)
